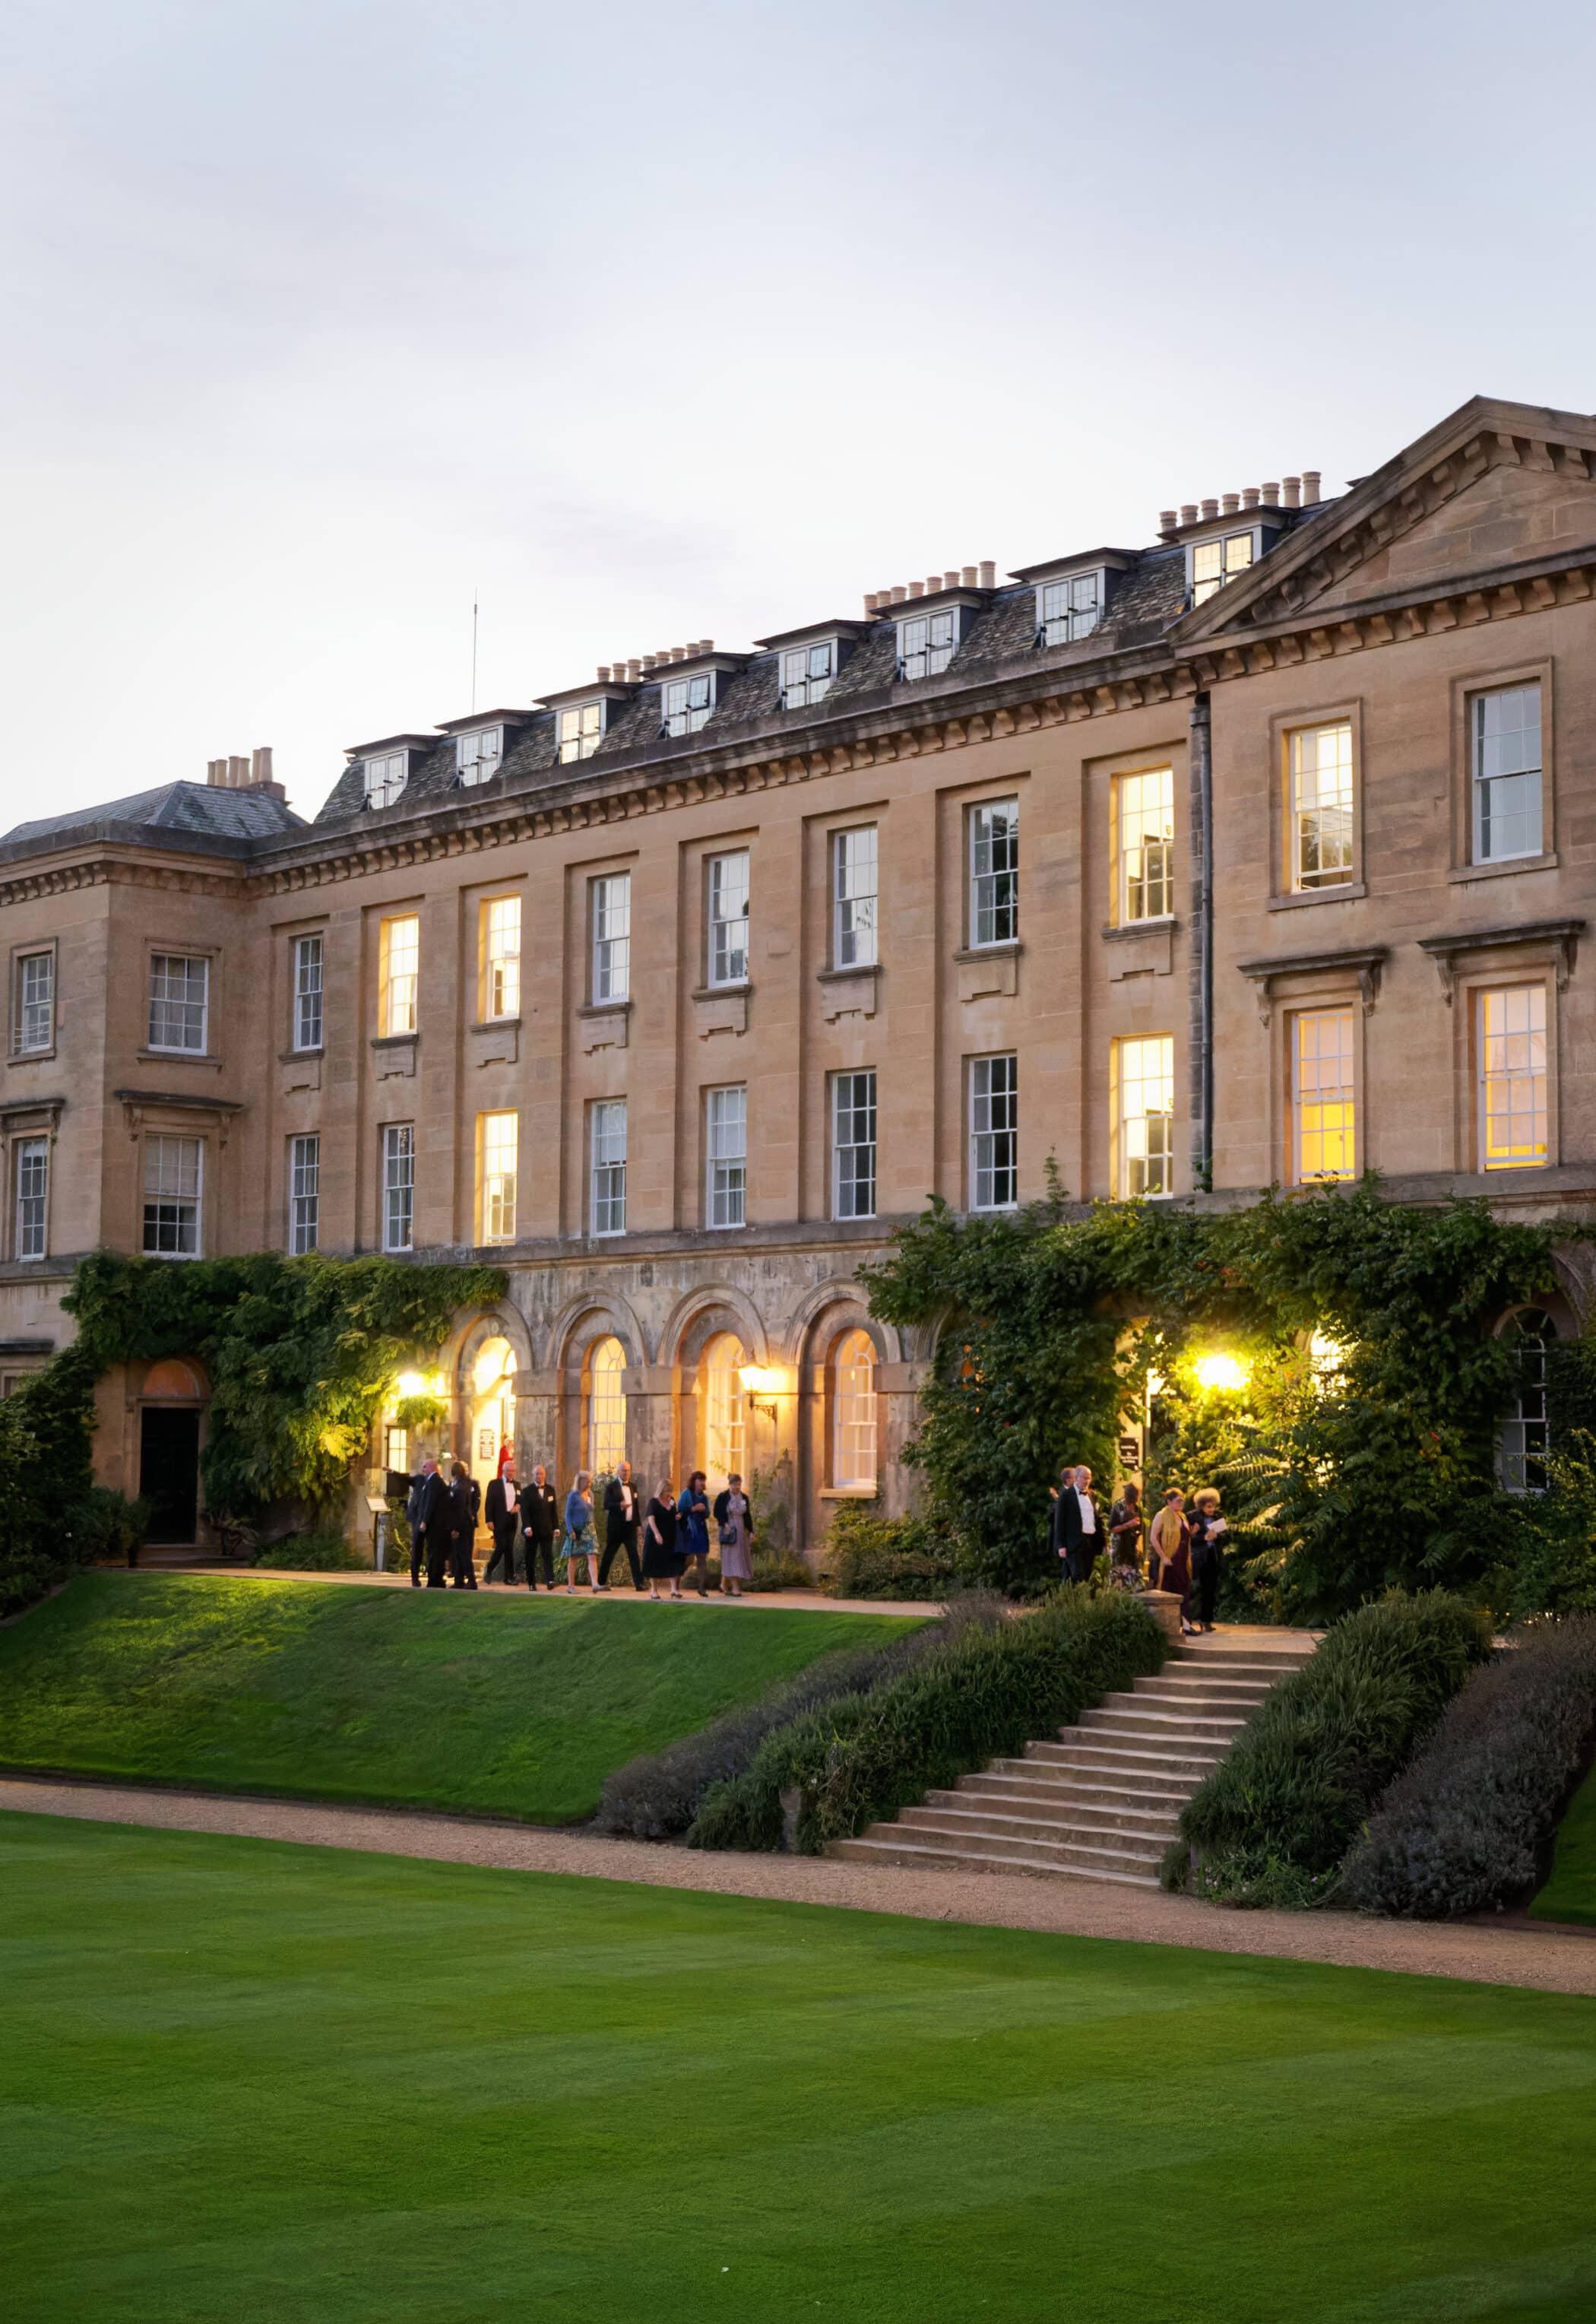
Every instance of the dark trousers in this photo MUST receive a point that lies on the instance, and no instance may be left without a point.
(504, 1549)
(627, 1539)
(1079, 1564)
(417, 1556)
(1207, 1590)
(463, 1558)
(540, 1552)
(438, 1546)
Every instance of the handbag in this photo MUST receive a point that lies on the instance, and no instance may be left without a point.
(728, 1536)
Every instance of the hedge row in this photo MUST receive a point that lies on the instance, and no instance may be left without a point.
(1464, 1829)
(1272, 1822)
(982, 1692)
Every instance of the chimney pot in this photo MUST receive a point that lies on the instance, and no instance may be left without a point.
(988, 573)
(1293, 490)
(933, 582)
(1250, 497)
(1271, 495)
(898, 593)
(678, 653)
(968, 576)
(216, 773)
(917, 588)
(706, 645)
(1189, 512)
(1210, 508)
(951, 580)
(634, 670)
(649, 660)
(238, 773)
(1167, 519)
(260, 764)
(1310, 487)
(870, 601)
(1232, 501)
(603, 673)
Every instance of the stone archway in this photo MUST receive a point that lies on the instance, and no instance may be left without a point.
(170, 1417)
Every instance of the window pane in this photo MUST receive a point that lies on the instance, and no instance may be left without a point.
(477, 756)
(498, 1142)
(35, 1001)
(1146, 1090)
(609, 1168)
(995, 872)
(385, 778)
(727, 1140)
(32, 1188)
(724, 1358)
(580, 732)
(172, 1180)
(179, 990)
(399, 1186)
(401, 958)
(1510, 1038)
(1321, 759)
(854, 928)
(303, 1195)
(612, 937)
(1070, 609)
(307, 992)
(606, 1408)
(995, 1132)
(501, 957)
(1507, 729)
(1525, 1434)
(1146, 806)
(853, 1146)
(853, 1412)
(1322, 1093)
(729, 918)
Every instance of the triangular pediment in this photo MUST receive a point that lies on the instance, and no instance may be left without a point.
(1498, 486)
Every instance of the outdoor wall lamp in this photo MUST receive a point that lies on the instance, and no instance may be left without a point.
(760, 1386)
(1219, 1371)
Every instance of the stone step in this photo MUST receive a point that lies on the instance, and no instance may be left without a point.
(1155, 1726)
(1090, 1758)
(909, 1856)
(1092, 1789)
(1214, 1701)
(1174, 1681)
(1190, 1657)
(1114, 1821)
(1112, 1854)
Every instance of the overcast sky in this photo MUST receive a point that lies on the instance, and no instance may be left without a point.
(648, 324)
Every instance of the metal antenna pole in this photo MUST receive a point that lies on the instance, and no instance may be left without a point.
(473, 653)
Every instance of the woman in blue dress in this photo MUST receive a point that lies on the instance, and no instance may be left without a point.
(692, 1527)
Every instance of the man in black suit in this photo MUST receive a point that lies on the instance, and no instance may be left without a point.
(1078, 1523)
(466, 1497)
(413, 1519)
(435, 1514)
(620, 1525)
(540, 1518)
(499, 1507)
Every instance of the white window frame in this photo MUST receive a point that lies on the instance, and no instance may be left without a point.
(726, 1155)
(1232, 554)
(1481, 785)
(185, 1204)
(611, 920)
(725, 1413)
(1526, 1434)
(502, 958)
(163, 997)
(994, 862)
(1321, 830)
(1303, 1098)
(1511, 1063)
(499, 1157)
(808, 673)
(1070, 607)
(686, 704)
(478, 756)
(384, 777)
(607, 1168)
(33, 1027)
(399, 1186)
(995, 1142)
(309, 992)
(606, 1406)
(304, 1193)
(855, 1413)
(1144, 836)
(30, 1168)
(581, 727)
(856, 876)
(401, 996)
(1143, 1068)
(729, 885)
(854, 1130)
(927, 642)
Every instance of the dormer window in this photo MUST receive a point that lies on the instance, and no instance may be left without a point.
(1069, 609)
(927, 643)
(478, 756)
(1216, 562)
(687, 703)
(807, 672)
(386, 777)
(582, 730)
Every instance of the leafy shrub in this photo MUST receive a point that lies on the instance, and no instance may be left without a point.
(980, 1689)
(1545, 1543)
(1461, 1830)
(781, 1569)
(1277, 1815)
(657, 1797)
(311, 1552)
(52, 1516)
(872, 1556)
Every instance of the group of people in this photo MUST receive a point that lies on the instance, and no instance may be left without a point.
(1186, 1547)
(660, 1542)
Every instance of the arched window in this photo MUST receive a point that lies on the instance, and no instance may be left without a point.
(723, 1451)
(853, 1411)
(606, 1406)
(1526, 1440)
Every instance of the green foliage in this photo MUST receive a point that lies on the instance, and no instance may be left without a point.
(421, 1413)
(1339, 1482)
(984, 1689)
(51, 1516)
(872, 1556)
(1272, 1822)
(1545, 1543)
(311, 1552)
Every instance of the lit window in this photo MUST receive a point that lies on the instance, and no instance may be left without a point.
(853, 1146)
(807, 672)
(1216, 562)
(303, 1195)
(1510, 1045)
(398, 1185)
(729, 918)
(477, 757)
(1321, 774)
(724, 1358)
(497, 1144)
(1146, 808)
(1506, 741)
(32, 1190)
(608, 1166)
(307, 992)
(1144, 1116)
(995, 1133)
(34, 1025)
(1069, 609)
(396, 1450)
(606, 1408)
(399, 961)
(612, 937)
(854, 878)
(995, 872)
(687, 703)
(1525, 1436)
(853, 1412)
(727, 1140)
(386, 777)
(1323, 1107)
(582, 731)
(173, 1181)
(501, 957)
(927, 644)
(180, 1001)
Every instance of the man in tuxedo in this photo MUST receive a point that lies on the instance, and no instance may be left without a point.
(540, 1518)
(435, 1514)
(413, 1519)
(500, 1508)
(1078, 1523)
(620, 1525)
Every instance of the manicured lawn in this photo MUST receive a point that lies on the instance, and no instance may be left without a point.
(437, 1699)
(1569, 1894)
(245, 2080)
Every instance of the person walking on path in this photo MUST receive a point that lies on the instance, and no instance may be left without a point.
(1078, 1523)
(540, 1518)
(1207, 1530)
(1124, 1537)
(1171, 1538)
(435, 1513)
(692, 1527)
(580, 1543)
(662, 1561)
(500, 1505)
(413, 1519)
(620, 1524)
(734, 1522)
(466, 1499)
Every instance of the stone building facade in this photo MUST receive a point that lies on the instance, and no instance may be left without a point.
(1261, 855)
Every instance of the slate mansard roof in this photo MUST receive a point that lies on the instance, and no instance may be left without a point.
(182, 814)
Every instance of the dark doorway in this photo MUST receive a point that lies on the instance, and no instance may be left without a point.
(169, 1474)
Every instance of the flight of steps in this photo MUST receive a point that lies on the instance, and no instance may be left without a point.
(1099, 1802)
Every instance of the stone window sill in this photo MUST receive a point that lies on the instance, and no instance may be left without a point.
(1010, 949)
(1460, 872)
(860, 968)
(1345, 892)
(181, 1057)
(1128, 930)
(32, 1056)
(720, 991)
(614, 1008)
(850, 1492)
(299, 1056)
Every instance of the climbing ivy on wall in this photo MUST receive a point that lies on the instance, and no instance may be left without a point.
(1367, 1466)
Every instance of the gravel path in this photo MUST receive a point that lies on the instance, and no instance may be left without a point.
(803, 1601)
(1557, 1961)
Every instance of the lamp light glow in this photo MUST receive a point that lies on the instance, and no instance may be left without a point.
(1219, 1370)
(411, 1384)
(758, 1380)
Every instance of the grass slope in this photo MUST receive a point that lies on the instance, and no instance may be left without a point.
(244, 2080)
(434, 1699)
(1569, 1894)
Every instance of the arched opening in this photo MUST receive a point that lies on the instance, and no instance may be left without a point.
(725, 1446)
(170, 1407)
(853, 1449)
(606, 1406)
(493, 1406)
(1526, 1433)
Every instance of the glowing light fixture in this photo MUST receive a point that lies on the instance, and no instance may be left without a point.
(1219, 1371)
(1328, 1356)
(420, 1384)
(761, 1385)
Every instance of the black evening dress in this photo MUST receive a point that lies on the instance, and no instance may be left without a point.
(662, 1559)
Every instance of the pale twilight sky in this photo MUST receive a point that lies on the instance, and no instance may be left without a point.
(651, 323)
